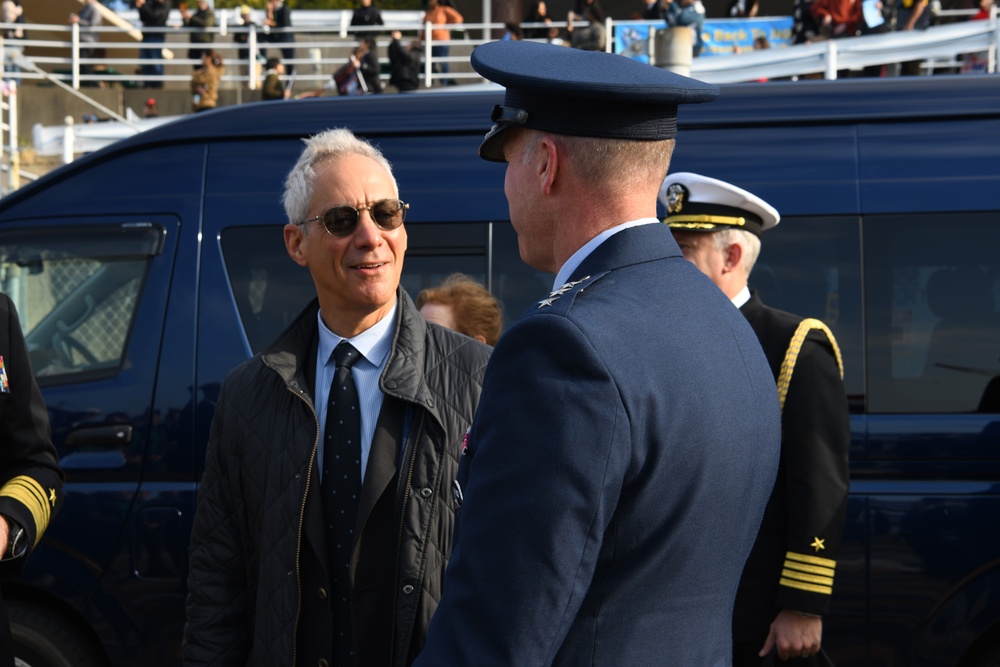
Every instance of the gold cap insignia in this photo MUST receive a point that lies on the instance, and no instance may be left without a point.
(676, 194)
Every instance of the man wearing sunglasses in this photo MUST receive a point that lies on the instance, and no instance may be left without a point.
(325, 515)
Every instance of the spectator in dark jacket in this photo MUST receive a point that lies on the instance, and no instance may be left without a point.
(201, 20)
(153, 15)
(370, 67)
(367, 14)
(290, 566)
(243, 38)
(404, 63)
(279, 22)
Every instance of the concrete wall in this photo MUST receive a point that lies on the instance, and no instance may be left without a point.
(49, 105)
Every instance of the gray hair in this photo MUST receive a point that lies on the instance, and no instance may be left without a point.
(749, 241)
(322, 148)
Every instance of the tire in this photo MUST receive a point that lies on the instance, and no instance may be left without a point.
(42, 639)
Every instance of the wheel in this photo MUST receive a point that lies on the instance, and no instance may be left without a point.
(42, 639)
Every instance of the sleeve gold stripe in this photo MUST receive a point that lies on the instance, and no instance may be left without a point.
(811, 578)
(812, 588)
(792, 355)
(30, 493)
(812, 569)
(812, 560)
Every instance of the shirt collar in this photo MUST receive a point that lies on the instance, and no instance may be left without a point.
(742, 297)
(373, 343)
(577, 257)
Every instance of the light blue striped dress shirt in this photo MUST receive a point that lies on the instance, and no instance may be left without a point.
(374, 346)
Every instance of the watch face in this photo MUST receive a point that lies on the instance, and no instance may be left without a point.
(16, 543)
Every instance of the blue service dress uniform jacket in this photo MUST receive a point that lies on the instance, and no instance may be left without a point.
(615, 475)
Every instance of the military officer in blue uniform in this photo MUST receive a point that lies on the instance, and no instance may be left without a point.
(786, 585)
(627, 436)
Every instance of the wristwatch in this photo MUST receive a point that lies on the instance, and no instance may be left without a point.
(17, 543)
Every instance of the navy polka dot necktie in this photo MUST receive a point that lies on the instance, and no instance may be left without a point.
(341, 490)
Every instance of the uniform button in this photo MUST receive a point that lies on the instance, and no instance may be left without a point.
(323, 663)
(426, 493)
(407, 589)
(390, 384)
(322, 593)
(430, 402)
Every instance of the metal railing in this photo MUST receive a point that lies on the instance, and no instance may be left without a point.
(320, 50)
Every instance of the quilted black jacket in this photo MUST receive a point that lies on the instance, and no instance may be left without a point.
(243, 600)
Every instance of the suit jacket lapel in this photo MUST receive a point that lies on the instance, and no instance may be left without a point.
(382, 460)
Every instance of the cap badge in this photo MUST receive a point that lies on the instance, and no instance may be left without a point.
(676, 194)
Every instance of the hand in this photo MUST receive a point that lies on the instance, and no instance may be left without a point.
(794, 635)
(4, 535)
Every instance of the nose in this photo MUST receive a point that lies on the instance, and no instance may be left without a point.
(367, 234)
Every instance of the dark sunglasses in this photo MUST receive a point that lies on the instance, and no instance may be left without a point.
(342, 220)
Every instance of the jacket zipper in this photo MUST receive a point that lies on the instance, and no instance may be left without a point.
(402, 521)
(302, 519)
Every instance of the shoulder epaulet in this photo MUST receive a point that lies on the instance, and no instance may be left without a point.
(792, 355)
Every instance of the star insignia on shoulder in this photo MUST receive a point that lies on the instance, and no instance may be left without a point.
(52, 497)
(558, 292)
(817, 544)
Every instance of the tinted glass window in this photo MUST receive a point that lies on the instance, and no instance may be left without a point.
(76, 294)
(270, 289)
(515, 284)
(933, 311)
(810, 267)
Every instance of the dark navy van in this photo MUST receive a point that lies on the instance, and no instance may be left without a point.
(146, 271)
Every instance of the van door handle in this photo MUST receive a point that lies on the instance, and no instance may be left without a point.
(116, 436)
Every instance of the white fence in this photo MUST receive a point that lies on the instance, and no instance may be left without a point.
(324, 40)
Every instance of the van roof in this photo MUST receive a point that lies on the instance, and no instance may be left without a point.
(460, 112)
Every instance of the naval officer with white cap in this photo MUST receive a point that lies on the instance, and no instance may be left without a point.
(627, 436)
(788, 580)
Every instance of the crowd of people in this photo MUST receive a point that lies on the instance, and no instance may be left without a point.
(398, 68)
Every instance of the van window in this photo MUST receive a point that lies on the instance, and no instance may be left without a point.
(270, 289)
(810, 267)
(76, 294)
(933, 310)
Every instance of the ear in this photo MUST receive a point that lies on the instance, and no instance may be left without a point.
(734, 255)
(481, 339)
(547, 156)
(294, 239)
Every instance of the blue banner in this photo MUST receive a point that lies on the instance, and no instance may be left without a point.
(720, 36)
(724, 37)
